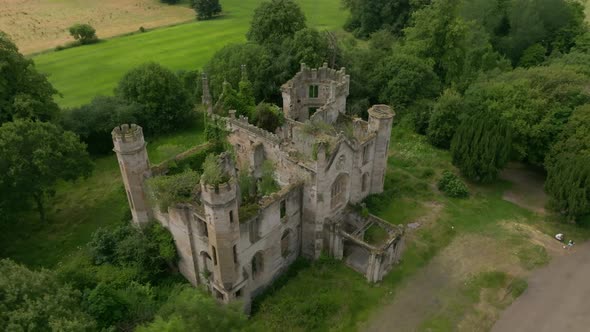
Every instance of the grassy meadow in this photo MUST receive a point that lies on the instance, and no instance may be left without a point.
(81, 73)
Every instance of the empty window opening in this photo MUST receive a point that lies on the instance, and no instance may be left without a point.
(235, 249)
(285, 243)
(214, 255)
(283, 209)
(202, 228)
(231, 216)
(257, 264)
(238, 293)
(312, 111)
(366, 153)
(338, 193)
(365, 184)
(314, 91)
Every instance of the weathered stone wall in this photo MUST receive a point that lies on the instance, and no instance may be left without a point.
(333, 88)
(130, 147)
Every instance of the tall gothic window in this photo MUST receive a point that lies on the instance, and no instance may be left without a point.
(339, 189)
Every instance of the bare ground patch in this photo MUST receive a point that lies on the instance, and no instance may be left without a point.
(527, 191)
(37, 25)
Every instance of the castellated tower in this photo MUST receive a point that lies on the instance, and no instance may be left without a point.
(133, 160)
(221, 212)
(380, 122)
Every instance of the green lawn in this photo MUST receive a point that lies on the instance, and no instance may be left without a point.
(81, 73)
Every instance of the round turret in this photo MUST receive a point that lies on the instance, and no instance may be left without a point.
(219, 195)
(128, 139)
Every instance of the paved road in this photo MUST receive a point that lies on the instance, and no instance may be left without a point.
(557, 299)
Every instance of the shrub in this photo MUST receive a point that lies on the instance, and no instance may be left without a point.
(268, 184)
(212, 173)
(94, 122)
(452, 186)
(105, 305)
(151, 251)
(84, 33)
(173, 189)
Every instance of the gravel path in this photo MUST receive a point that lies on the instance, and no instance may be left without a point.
(557, 299)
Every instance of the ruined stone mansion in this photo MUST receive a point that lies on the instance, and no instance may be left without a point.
(325, 162)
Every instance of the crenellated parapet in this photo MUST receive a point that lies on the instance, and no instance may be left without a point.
(128, 138)
(242, 122)
(323, 75)
(319, 89)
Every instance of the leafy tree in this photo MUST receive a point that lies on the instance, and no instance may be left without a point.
(481, 146)
(206, 9)
(568, 167)
(459, 50)
(268, 117)
(368, 16)
(275, 21)
(192, 80)
(535, 102)
(445, 119)
(105, 305)
(310, 47)
(37, 301)
(24, 92)
(94, 122)
(189, 309)
(84, 33)
(35, 157)
(402, 79)
(533, 56)
(226, 65)
(152, 251)
(516, 25)
(421, 112)
(167, 105)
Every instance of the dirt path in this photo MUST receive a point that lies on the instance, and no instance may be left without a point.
(557, 299)
(426, 292)
(527, 191)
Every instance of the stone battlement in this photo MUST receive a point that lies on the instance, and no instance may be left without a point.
(322, 74)
(126, 132)
(242, 122)
(128, 139)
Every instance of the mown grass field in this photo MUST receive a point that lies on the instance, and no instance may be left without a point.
(81, 73)
(39, 25)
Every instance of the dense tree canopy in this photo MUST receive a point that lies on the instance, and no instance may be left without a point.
(481, 146)
(188, 309)
(38, 301)
(94, 122)
(535, 102)
(206, 9)
(226, 65)
(517, 25)
(35, 156)
(24, 92)
(276, 20)
(459, 50)
(568, 166)
(167, 104)
(445, 119)
(368, 16)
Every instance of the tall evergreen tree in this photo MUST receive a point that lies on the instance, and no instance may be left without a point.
(481, 146)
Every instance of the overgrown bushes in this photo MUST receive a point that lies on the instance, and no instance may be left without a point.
(452, 186)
